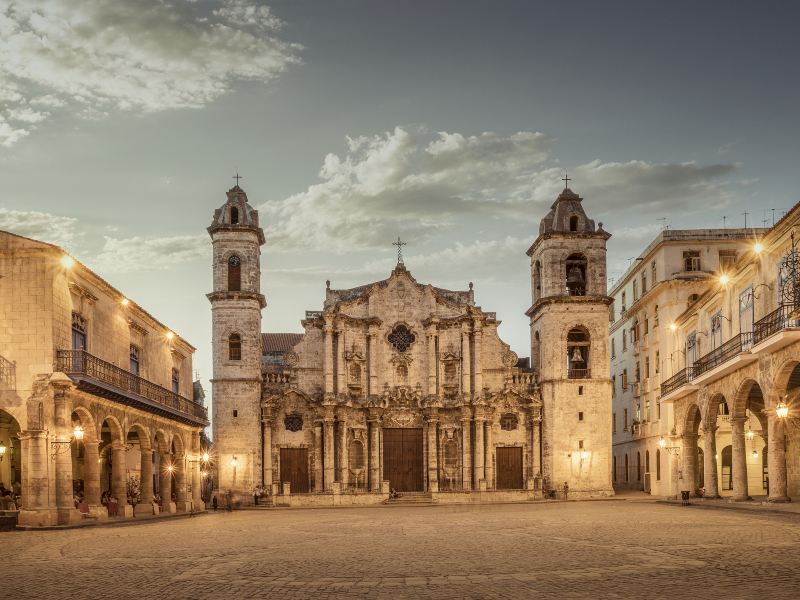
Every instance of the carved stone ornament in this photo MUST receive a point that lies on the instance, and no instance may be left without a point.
(510, 359)
(293, 422)
(291, 359)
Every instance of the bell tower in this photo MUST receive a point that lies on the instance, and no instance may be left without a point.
(236, 305)
(569, 348)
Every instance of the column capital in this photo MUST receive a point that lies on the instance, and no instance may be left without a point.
(710, 428)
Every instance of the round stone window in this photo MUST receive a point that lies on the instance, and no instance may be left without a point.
(401, 338)
(293, 422)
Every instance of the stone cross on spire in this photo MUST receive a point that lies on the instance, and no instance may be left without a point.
(237, 177)
(566, 179)
(399, 245)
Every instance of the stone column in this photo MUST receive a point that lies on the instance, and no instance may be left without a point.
(180, 481)
(329, 461)
(91, 474)
(710, 461)
(432, 363)
(317, 457)
(266, 458)
(480, 450)
(374, 454)
(689, 456)
(197, 490)
(344, 466)
(739, 450)
(489, 460)
(372, 366)
(776, 460)
(146, 477)
(34, 509)
(466, 365)
(466, 449)
(119, 484)
(164, 481)
(536, 459)
(433, 453)
(327, 360)
(63, 472)
(341, 375)
(478, 391)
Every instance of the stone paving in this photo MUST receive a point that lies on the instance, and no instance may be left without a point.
(613, 549)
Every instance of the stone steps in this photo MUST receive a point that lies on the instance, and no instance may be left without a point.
(412, 498)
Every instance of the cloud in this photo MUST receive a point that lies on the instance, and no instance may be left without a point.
(137, 253)
(141, 56)
(9, 134)
(40, 226)
(412, 180)
(404, 180)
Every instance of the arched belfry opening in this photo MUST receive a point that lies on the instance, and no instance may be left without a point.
(578, 346)
(234, 215)
(576, 275)
(234, 274)
(573, 223)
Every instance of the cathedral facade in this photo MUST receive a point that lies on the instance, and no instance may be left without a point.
(402, 386)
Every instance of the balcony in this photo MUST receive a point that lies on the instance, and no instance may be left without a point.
(779, 328)
(8, 375)
(96, 376)
(730, 356)
(579, 373)
(678, 386)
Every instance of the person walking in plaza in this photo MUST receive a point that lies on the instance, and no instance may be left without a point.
(566, 491)
(214, 502)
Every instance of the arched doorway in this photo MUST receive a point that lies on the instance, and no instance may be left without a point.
(113, 467)
(727, 469)
(691, 456)
(748, 424)
(10, 456)
(85, 460)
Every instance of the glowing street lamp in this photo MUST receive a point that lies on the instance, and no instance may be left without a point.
(2, 451)
(755, 454)
(758, 247)
(205, 458)
(724, 279)
(67, 261)
(78, 433)
(673, 327)
(750, 433)
(782, 410)
(124, 302)
(234, 462)
(169, 335)
(662, 443)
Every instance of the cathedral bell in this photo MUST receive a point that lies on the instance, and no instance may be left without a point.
(575, 280)
(576, 356)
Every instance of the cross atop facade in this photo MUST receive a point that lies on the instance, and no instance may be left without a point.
(566, 179)
(237, 177)
(399, 245)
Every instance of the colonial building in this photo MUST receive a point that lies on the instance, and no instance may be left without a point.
(735, 397)
(96, 395)
(668, 277)
(403, 385)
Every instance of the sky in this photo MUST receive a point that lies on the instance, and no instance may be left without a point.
(353, 122)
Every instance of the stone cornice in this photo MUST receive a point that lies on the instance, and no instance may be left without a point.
(567, 235)
(542, 302)
(224, 295)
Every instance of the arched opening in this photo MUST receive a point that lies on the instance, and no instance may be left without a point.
(638, 466)
(113, 467)
(234, 274)
(537, 280)
(614, 468)
(692, 464)
(789, 429)
(627, 475)
(11, 463)
(748, 424)
(234, 347)
(578, 346)
(727, 468)
(647, 461)
(355, 374)
(234, 215)
(573, 223)
(576, 275)
(658, 465)
(180, 486)
(536, 351)
(358, 464)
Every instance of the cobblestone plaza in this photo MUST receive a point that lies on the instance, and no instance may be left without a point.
(608, 549)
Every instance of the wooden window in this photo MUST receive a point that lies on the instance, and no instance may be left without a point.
(235, 347)
(176, 381)
(691, 260)
(79, 329)
(234, 274)
(134, 359)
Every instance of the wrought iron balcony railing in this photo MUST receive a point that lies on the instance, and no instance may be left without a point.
(775, 322)
(79, 364)
(678, 380)
(8, 374)
(739, 343)
(579, 373)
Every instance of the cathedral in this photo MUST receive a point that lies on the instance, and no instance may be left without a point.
(402, 386)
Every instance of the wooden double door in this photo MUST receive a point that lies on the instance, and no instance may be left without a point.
(403, 464)
(294, 469)
(509, 467)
